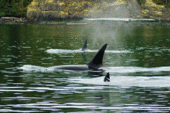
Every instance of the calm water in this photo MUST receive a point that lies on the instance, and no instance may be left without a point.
(137, 57)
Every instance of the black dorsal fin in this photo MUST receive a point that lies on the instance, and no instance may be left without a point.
(96, 61)
(107, 78)
(84, 46)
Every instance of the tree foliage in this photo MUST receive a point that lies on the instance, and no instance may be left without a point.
(159, 2)
(163, 2)
(17, 8)
(141, 1)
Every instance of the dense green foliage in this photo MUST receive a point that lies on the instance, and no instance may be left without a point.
(141, 1)
(160, 2)
(17, 8)
(163, 2)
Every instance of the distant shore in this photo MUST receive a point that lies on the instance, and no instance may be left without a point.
(13, 20)
(22, 20)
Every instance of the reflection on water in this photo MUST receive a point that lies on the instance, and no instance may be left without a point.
(137, 58)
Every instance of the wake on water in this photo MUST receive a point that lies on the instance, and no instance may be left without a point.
(116, 79)
(57, 51)
(126, 81)
(121, 69)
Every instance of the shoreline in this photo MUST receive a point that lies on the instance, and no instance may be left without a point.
(24, 21)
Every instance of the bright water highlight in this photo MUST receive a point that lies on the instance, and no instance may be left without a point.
(57, 51)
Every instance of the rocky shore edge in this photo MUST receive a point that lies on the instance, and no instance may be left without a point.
(24, 20)
(14, 20)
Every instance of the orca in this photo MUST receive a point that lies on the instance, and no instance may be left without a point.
(107, 78)
(95, 65)
(84, 46)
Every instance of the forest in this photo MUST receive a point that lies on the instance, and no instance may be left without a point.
(18, 8)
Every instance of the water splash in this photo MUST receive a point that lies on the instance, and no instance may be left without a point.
(126, 81)
(57, 51)
(131, 69)
(32, 68)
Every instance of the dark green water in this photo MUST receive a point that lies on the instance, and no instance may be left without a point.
(137, 58)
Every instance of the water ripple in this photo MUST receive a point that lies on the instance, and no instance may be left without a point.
(91, 106)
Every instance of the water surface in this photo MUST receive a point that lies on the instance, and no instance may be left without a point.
(137, 58)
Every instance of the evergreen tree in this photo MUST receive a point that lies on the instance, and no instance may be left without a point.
(16, 8)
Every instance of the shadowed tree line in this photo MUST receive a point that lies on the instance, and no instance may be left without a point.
(159, 2)
(17, 8)
(162, 2)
